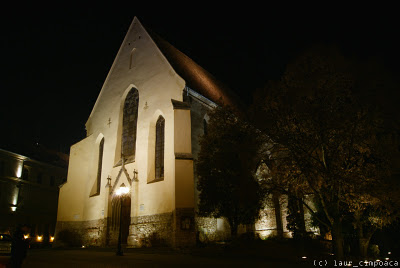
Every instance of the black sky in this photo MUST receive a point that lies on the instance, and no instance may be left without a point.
(55, 60)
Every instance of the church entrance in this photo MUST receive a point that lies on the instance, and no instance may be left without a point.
(121, 216)
(126, 219)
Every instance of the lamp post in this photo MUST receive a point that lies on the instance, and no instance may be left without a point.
(121, 192)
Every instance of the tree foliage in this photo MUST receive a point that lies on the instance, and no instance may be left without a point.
(226, 166)
(332, 138)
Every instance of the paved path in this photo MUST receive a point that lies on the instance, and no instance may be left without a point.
(145, 258)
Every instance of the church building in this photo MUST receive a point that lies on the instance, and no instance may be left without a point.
(142, 133)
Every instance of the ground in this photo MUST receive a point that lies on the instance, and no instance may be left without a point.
(248, 254)
(243, 255)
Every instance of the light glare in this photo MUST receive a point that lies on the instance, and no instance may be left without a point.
(122, 190)
(19, 170)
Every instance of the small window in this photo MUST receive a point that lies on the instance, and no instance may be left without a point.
(131, 58)
(159, 154)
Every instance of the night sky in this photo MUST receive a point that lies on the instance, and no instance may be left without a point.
(54, 61)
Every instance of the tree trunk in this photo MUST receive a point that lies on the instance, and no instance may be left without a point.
(337, 239)
(363, 244)
(278, 215)
(363, 236)
(302, 222)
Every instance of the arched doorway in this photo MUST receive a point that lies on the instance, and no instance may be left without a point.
(119, 214)
(126, 218)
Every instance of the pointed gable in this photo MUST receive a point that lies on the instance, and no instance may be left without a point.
(142, 57)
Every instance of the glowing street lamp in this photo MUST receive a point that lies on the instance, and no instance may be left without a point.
(121, 193)
(122, 190)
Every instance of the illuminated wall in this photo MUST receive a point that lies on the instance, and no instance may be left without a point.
(157, 83)
(29, 193)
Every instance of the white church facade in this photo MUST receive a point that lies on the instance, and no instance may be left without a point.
(143, 132)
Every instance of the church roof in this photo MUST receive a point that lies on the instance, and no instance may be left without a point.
(196, 77)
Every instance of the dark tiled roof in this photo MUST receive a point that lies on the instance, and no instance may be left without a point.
(39, 153)
(196, 77)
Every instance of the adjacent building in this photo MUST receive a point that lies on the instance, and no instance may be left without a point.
(29, 190)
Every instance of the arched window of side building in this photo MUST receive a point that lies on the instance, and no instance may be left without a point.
(159, 150)
(97, 183)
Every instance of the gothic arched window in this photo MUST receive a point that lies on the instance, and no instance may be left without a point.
(96, 186)
(159, 154)
(129, 124)
(100, 164)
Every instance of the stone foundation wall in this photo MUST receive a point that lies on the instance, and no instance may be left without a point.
(112, 234)
(81, 233)
(175, 229)
(212, 230)
(151, 230)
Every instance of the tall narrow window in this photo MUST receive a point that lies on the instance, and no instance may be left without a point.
(159, 155)
(129, 124)
(100, 164)
(96, 186)
(131, 58)
(205, 127)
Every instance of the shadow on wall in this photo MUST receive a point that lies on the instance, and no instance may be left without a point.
(68, 238)
(154, 240)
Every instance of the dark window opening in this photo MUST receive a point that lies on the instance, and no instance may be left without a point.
(129, 124)
(100, 165)
(97, 183)
(159, 154)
